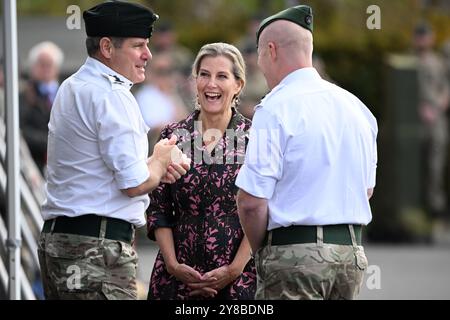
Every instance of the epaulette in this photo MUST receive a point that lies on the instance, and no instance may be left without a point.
(115, 80)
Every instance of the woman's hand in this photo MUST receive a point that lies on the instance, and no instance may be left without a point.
(185, 273)
(213, 281)
(189, 275)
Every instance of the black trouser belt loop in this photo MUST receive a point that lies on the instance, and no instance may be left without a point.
(343, 234)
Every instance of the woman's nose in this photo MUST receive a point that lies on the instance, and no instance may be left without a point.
(212, 82)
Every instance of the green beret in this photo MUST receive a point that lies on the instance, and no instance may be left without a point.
(119, 19)
(301, 15)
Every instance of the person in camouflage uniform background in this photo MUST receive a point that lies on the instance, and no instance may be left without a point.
(433, 105)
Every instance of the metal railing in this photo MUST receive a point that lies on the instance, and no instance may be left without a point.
(31, 196)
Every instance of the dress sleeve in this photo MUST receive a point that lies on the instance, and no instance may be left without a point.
(160, 213)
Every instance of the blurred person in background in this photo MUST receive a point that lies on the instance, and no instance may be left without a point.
(165, 41)
(256, 86)
(434, 97)
(203, 250)
(44, 61)
(158, 98)
(33, 177)
(446, 53)
(319, 65)
(247, 41)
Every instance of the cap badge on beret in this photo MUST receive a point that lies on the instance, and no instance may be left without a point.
(301, 15)
(308, 19)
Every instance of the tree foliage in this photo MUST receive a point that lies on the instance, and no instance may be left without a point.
(353, 54)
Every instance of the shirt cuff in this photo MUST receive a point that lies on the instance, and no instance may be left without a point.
(255, 184)
(132, 176)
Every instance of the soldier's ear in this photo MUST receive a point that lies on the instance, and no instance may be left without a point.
(106, 47)
(272, 50)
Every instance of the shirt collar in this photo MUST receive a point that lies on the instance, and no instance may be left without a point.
(112, 75)
(303, 75)
(299, 75)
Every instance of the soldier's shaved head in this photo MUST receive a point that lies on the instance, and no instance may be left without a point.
(283, 48)
(291, 38)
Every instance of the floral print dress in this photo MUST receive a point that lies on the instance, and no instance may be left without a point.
(201, 210)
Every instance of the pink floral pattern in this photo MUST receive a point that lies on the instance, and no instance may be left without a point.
(201, 210)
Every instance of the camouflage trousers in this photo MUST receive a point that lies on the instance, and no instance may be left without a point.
(87, 268)
(310, 271)
(436, 141)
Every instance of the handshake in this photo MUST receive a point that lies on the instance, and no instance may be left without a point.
(173, 162)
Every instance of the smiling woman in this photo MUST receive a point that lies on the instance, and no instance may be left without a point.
(203, 250)
(219, 70)
(216, 85)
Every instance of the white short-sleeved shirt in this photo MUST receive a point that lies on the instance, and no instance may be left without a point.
(97, 145)
(312, 153)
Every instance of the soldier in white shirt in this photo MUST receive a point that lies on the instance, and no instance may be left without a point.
(98, 171)
(308, 174)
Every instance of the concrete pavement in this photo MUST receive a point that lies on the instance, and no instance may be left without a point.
(395, 272)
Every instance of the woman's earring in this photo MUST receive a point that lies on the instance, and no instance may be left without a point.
(236, 102)
(197, 103)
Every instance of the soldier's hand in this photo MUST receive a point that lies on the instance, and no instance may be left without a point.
(164, 149)
(179, 164)
(174, 172)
